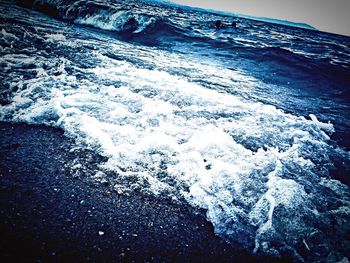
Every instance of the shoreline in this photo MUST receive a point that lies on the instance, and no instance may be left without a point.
(48, 215)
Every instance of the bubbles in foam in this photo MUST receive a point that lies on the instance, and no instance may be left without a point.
(8, 36)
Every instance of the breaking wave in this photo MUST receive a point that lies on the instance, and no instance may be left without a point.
(100, 14)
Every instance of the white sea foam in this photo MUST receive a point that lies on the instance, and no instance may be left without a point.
(55, 37)
(8, 36)
(117, 21)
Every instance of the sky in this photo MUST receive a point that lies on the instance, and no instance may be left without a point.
(325, 15)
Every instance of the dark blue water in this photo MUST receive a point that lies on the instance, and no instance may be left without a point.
(250, 124)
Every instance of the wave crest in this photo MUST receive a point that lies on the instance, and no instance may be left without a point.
(122, 21)
(99, 15)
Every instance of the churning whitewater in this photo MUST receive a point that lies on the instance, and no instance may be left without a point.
(250, 124)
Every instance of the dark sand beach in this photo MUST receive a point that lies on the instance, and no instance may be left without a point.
(46, 215)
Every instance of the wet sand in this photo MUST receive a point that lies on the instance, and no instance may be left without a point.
(47, 215)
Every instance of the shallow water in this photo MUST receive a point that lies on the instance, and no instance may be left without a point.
(250, 124)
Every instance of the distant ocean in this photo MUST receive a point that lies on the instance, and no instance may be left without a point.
(249, 124)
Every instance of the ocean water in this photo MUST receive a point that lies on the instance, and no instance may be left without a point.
(249, 124)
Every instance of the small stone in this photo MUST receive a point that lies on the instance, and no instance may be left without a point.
(101, 233)
(134, 235)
